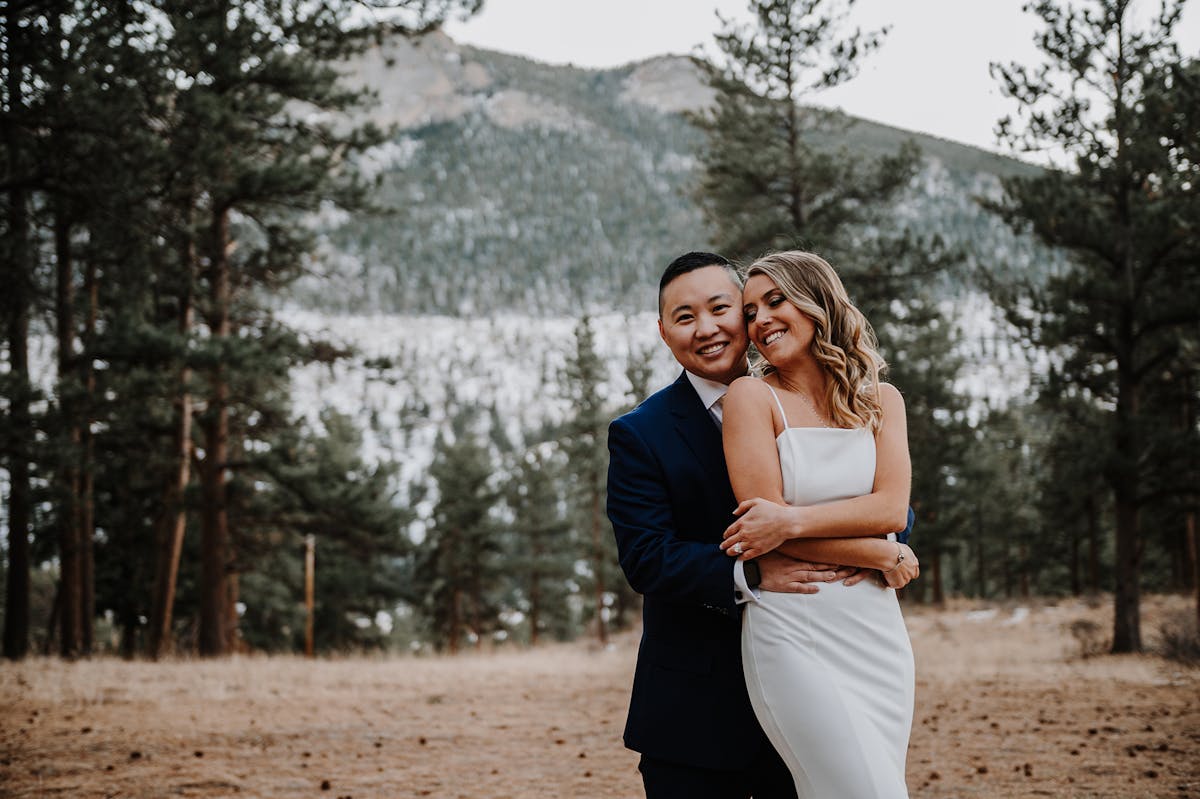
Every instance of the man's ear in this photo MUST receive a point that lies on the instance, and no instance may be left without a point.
(661, 332)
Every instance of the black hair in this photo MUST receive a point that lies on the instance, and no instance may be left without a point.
(690, 262)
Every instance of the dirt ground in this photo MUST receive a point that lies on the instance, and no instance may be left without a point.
(1006, 707)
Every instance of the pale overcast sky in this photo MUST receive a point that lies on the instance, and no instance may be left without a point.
(931, 74)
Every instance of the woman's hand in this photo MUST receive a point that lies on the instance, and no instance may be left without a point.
(761, 526)
(904, 572)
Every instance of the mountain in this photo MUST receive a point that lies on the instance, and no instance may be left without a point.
(523, 195)
(512, 185)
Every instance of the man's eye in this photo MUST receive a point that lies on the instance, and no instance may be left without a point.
(684, 318)
(720, 308)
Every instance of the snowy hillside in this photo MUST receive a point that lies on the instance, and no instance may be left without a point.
(513, 364)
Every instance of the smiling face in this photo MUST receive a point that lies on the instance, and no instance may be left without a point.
(781, 331)
(701, 323)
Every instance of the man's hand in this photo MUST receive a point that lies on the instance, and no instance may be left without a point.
(761, 527)
(788, 575)
(905, 571)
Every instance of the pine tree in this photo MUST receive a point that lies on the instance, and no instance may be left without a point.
(457, 564)
(770, 179)
(585, 442)
(924, 364)
(542, 558)
(320, 486)
(18, 259)
(1125, 211)
(158, 158)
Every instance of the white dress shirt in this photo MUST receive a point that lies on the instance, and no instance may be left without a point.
(712, 395)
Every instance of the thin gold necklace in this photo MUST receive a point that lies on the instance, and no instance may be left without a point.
(785, 384)
(813, 408)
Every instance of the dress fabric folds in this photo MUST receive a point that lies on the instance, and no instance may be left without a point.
(830, 675)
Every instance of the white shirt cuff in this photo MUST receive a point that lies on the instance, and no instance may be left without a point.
(742, 592)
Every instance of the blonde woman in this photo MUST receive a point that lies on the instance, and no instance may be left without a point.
(817, 449)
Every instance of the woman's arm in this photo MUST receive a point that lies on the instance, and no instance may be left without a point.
(761, 528)
(749, 432)
(865, 553)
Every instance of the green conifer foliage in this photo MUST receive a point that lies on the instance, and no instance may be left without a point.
(457, 567)
(586, 444)
(542, 553)
(1113, 96)
(769, 181)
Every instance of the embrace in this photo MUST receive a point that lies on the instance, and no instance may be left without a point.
(774, 661)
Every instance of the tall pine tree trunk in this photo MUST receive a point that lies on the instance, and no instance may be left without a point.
(1007, 573)
(1127, 633)
(67, 477)
(454, 623)
(598, 563)
(980, 573)
(1093, 519)
(215, 554)
(1190, 534)
(1074, 565)
(87, 451)
(16, 308)
(16, 301)
(172, 521)
(939, 596)
(535, 604)
(1193, 545)
(1023, 559)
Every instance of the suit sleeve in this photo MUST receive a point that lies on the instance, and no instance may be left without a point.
(904, 534)
(656, 561)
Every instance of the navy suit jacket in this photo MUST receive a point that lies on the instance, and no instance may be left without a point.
(670, 501)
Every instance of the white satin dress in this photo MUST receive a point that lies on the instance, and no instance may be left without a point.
(831, 674)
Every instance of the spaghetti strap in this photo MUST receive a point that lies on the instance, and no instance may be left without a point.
(778, 403)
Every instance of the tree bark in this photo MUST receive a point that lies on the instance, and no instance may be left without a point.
(310, 566)
(1007, 572)
(1193, 542)
(980, 573)
(535, 601)
(939, 597)
(172, 521)
(1074, 570)
(87, 453)
(598, 565)
(1023, 560)
(16, 606)
(1127, 632)
(1093, 517)
(16, 311)
(67, 491)
(215, 555)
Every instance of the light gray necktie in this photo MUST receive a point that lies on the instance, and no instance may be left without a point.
(718, 410)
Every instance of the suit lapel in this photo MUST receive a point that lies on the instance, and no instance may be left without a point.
(698, 430)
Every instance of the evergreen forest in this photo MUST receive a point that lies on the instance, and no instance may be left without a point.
(314, 320)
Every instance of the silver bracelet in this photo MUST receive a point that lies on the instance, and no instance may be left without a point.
(899, 559)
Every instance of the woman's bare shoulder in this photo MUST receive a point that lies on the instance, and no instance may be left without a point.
(890, 399)
(746, 388)
(748, 392)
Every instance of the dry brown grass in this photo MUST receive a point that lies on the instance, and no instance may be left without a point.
(1005, 708)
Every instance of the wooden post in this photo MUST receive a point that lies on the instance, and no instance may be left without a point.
(310, 545)
(1193, 541)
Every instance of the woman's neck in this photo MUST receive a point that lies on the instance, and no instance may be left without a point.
(807, 378)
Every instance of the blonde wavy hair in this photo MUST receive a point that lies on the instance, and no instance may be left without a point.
(844, 343)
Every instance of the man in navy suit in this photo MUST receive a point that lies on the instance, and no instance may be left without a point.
(670, 502)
